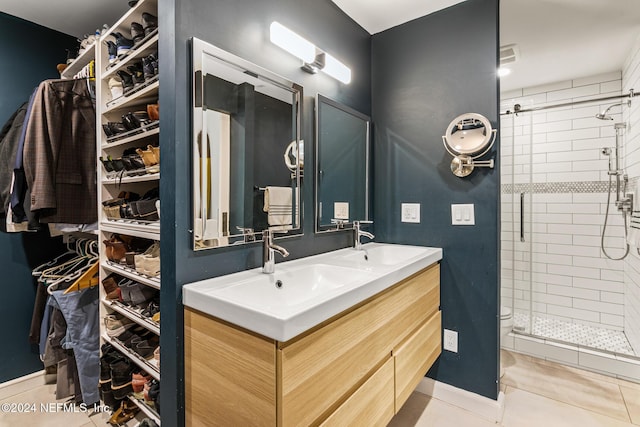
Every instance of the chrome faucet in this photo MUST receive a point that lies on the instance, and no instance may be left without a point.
(357, 233)
(268, 252)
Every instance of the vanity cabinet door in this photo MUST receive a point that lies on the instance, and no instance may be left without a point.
(371, 405)
(414, 357)
(319, 370)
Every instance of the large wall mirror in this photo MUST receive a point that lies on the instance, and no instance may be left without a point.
(246, 138)
(342, 165)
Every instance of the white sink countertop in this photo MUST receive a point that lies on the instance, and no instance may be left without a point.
(305, 292)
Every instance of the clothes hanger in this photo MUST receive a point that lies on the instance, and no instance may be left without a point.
(88, 279)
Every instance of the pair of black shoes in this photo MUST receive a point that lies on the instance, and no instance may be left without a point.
(140, 340)
(139, 32)
(143, 209)
(115, 376)
(148, 26)
(130, 121)
(139, 73)
(131, 163)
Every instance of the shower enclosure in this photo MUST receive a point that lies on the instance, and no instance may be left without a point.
(567, 218)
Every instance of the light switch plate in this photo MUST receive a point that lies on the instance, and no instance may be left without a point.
(463, 215)
(410, 212)
(341, 210)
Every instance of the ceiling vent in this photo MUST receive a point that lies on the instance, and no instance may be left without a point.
(509, 54)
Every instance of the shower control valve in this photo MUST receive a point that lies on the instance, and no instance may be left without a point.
(625, 204)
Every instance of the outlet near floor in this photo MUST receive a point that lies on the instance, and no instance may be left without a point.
(450, 341)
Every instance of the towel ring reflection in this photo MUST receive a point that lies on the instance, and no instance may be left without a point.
(469, 137)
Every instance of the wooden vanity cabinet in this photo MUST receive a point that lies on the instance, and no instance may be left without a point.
(359, 365)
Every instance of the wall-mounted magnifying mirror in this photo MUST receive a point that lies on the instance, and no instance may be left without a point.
(247, 153)
(468, 137)
(342, 165)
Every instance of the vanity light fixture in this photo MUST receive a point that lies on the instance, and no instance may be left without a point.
(313, 58)
(503, 71)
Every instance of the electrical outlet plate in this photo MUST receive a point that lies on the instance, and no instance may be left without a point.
(410, 212)
(450, 340)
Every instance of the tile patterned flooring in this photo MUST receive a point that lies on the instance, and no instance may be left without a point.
(575, 333)
(537, 393)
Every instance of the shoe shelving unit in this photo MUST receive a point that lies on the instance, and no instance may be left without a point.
(109, 185)
(83, 59)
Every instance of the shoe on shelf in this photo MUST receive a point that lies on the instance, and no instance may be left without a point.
(153, 111)
(126, 79)
(127, 411)
(141, 294)
(149, 22)
(147, 67)
(145, 348)
(123, 44)
(138, 380)
(137, 32)
(115, 87)
(135, 332)
(112, 48)
(116, 325)
(137, 73)
(111, 287)
(121, 371)
(139, 259)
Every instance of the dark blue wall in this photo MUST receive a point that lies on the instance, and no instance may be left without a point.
(29, 55)
(242, 28)
(425, 73)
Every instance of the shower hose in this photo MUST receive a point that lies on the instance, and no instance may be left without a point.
(606, 218)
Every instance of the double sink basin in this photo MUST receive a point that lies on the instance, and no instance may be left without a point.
(305, 292)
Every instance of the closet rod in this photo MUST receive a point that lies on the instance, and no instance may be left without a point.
(518, 109)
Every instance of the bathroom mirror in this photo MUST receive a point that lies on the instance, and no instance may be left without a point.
(342, 165)
(468, 137)
(247, 171)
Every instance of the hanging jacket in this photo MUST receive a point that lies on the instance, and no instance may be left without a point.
(9, 139)
(60, 153)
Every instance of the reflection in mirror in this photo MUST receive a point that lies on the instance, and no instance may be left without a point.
(247, 169)
(342, 165)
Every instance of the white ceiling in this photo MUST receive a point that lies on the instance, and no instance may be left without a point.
(379, 15)
(558, 39)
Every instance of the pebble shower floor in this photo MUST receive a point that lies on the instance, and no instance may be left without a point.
(575, 333)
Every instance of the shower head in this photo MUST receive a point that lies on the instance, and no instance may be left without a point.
(604, 116)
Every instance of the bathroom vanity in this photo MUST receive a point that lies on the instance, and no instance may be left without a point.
(304, 346)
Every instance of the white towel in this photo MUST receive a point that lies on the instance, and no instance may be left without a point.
(278, 203)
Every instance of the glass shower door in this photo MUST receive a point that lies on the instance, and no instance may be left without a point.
(517, 214)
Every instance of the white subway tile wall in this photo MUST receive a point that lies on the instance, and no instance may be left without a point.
(631, 295)
(554, 157)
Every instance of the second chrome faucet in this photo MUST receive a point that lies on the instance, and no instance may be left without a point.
(357, 233)
(268, 252)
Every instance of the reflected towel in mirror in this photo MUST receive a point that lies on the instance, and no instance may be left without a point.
(278, 203)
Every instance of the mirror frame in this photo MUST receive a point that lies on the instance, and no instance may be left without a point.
(201, 49)
(336, 227)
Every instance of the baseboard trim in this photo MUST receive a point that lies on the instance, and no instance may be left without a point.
(484, 407)
(21, 384)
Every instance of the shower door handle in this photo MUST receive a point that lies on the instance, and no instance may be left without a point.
(522, 217)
